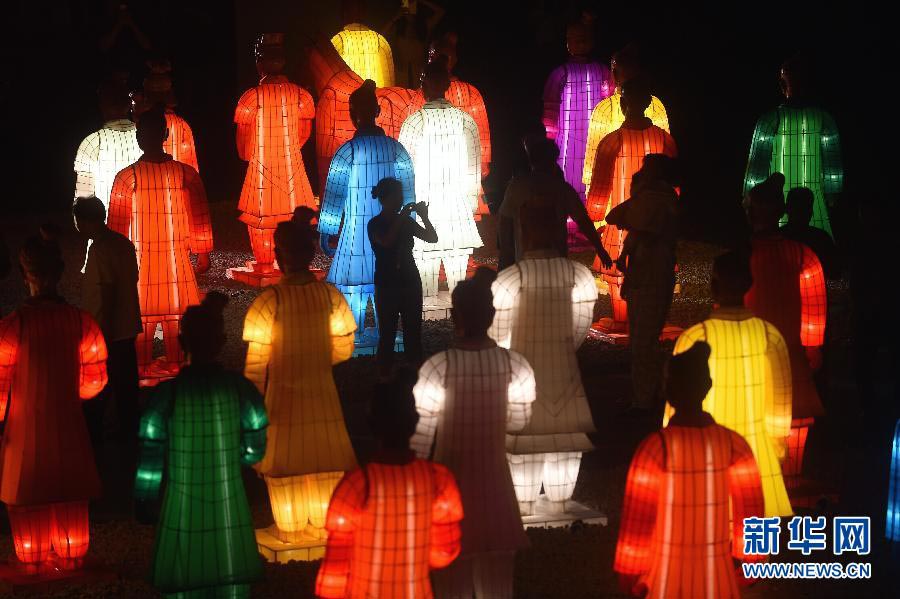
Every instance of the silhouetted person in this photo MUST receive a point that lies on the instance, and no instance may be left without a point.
(398, 287)
(543, 184)
(109, 293)
(799, 208)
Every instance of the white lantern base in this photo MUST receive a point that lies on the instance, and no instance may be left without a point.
(276, 551)
(547, 514)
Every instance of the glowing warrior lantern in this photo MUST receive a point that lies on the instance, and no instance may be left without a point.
(297, 330)
(205, 537)
(789, 292)
(274, 120)
(470, 400)
(620, 155)
(366, 52)
(544, 310)
(101, 155)
(893, 507)
(445, 148)
(751, 392)
(161, 207)
(686, 497)
(52, 355)
(158, 90)
(357, 166)
(388, 526)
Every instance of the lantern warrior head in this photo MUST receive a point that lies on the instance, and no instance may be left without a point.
(269, 54)
(89, 214)
(624, 64)
(435, 79)
(766, 204)
(636, 98)
(795, 76)
(114, 98)
(542, 152)
(296, 240)
(41, 262)
(353, 11)
(393, 416)
(688, 380)
(157, 87)
(473, 304)
(445, 46)
(389, 192)
(364, 108)
(731, 278)
(799, 206)
(579, 40)
(202, 333)
(152, 131)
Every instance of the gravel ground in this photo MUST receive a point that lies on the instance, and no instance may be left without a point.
(560, 563)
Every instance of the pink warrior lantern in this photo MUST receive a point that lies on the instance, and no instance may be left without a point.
(274, 120)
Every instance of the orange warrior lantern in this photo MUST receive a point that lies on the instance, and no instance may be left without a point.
(388, 526)
(158, 90)
(274, 120)
(52, 355)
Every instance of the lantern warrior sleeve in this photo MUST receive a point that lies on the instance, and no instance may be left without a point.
(642, 489)
(506, 295)
(385, 61)
(478, 112)
(306, 114)
(584, 298)
(245, 119)
(187, 153)
(336, 189)
(341, 523)
(9, 349)
(201, 241)
(121, 202)
(93, 377)
(813, 301)
(405, 173)
(745, 488)
(657, 114)
(343, 325)
(85, 159)
(153, 434)
(254, 423)
(761, 148)
(258, 325)
(446, 514)
(430, 393)
(602, 177)
(552, 97)
(600, 126)
(473, 152)
(684, 342)
(778, 390)
(832, 166)
(521, 394)
(411, 133)
(325, 132)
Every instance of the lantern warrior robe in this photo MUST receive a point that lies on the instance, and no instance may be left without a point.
(180, 143)
(101, 155)
(687, 494)
(366, 52)
(470, 400)
(893, 507)
(801, 142)
(444, 145)
(571, 93)
(205, 536)
(751, 391)
(356, 168)
(388, 526)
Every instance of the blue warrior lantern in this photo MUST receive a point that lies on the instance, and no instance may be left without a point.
(357, 166)
(893, 507)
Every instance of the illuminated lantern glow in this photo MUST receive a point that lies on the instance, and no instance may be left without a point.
(544, 306)
(296, 331)
(161, 207)
(388, 526)
(470, 400)
(180, 143)
(571, 93)
(158, 90)
(789, 292)
(801, 142)
(686, 497)
(101, 155)
(751, 392)
(52, 355)
(356, 168)
(445, 147)
(619, 155)
(366, 52)
(893, 506)
(205, 536)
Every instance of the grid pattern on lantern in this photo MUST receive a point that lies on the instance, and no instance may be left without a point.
(297, 330)
(273, 120)
(571, 93)
(686, 497)
(367, 53)
(300, 500)
(60, 527)
(893, 506)
(544, 310)
(556, 472)
(606, 118)
(751, 392)
(467, 402)
(180, 143)
(161, 207)
(480, 575)
(101, 155)
(51, 356)
(388, 525)
(803, 144)
(396, 104)
(789, 292)
(202, 425)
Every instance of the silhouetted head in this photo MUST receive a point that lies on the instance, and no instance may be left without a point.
(152, 130)
(799, 206)
(202, 334)
(542, 152)
(353, 11)
(766, 203)
(579, 39)
(393, 416)
(436, 79)
(269, 54)
(41, 262)
(364, 108)
(687, 379)
(796, 76)
(158, 84)
(538, 224)
(473, 304)
(114, 98)
(89, 214)
(389, 192)
(295, 241)
(636, 98)
(660, 167)
(731, 278)
(625, 64)
(445, 46)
